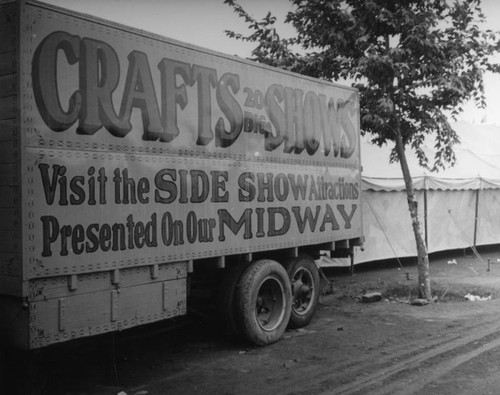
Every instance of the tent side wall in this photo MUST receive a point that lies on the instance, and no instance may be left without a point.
(450, 219)
(459, 207)
(448, 216)
(488, 222)
(387, 226)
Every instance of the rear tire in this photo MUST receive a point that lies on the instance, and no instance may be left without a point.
(264, 298)
(304, 279)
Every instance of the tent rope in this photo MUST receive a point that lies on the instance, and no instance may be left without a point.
(383, 230)
(464, 237)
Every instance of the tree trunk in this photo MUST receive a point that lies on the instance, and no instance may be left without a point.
(424, 282)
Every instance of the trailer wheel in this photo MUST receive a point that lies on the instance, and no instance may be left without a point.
(264, 299)
(304, 278)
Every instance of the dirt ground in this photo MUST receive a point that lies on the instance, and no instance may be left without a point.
(350, 347)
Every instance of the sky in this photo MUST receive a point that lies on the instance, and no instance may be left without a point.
(203, 22)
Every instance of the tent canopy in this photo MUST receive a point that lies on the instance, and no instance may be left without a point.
(477, 166)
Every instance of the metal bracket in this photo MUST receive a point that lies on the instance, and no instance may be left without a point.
(154, 271)
(115, 277)
(61, 304)
(221, 262)
(114, 305)
(73, 282)
(165, 295)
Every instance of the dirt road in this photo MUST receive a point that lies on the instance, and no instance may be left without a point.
(448, 347)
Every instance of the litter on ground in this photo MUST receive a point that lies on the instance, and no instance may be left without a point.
(477, 298)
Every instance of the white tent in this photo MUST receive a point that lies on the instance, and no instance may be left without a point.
(458, 207)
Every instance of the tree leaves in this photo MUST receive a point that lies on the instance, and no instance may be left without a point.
(415, 62)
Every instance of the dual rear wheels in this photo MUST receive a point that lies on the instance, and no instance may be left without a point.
(304, 278)
(261, 300)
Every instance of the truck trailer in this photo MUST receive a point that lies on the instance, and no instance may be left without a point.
(137, 170)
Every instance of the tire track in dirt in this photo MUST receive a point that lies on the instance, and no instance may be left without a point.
(440, 359)
(430, 375)
(385, 367)
(341, 375)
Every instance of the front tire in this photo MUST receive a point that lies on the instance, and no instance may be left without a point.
(264, 298)
(304, 279)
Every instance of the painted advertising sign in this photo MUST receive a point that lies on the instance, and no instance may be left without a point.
(144, 150)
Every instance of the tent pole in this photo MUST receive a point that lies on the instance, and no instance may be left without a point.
(476, 212)
(351, 255)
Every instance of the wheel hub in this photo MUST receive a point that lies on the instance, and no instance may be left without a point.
(270, 304)
(302, 287)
